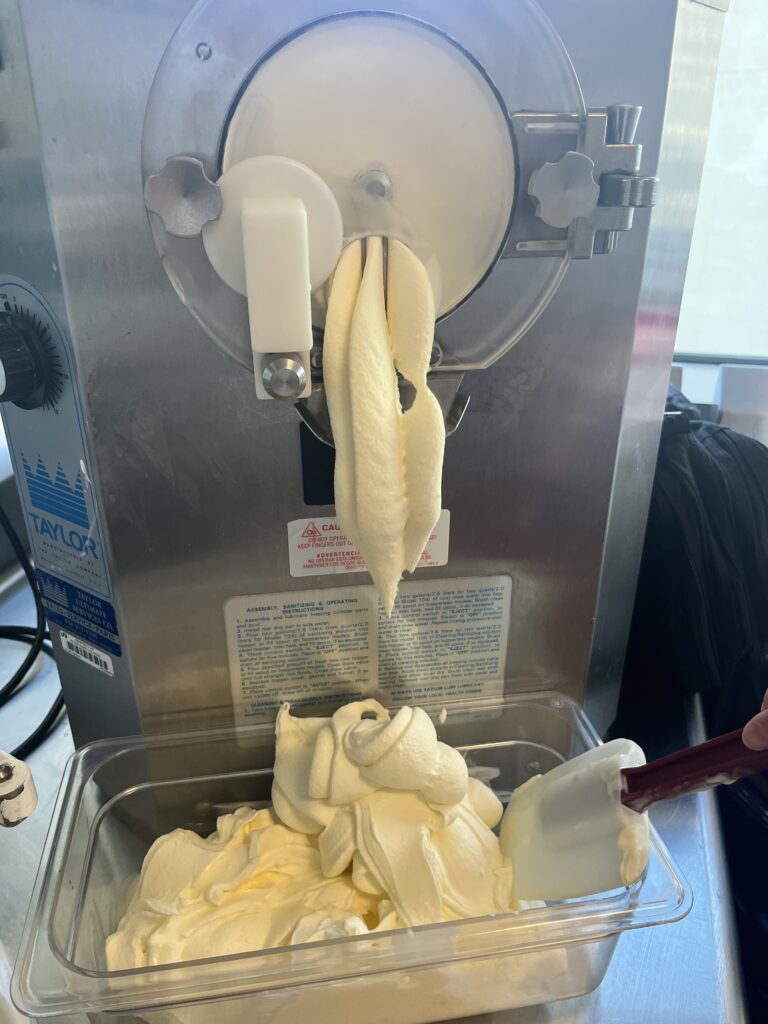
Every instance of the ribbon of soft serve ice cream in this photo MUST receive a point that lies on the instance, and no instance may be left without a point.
(389, 463)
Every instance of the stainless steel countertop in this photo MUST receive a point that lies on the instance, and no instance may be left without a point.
(683, 973)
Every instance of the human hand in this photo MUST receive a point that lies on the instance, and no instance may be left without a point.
(755, 733)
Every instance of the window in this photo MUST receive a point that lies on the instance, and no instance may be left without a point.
(724, 315)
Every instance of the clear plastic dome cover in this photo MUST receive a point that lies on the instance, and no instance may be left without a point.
(406, 116)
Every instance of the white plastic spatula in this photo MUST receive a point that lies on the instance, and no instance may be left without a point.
(579, 829)
(561, 830)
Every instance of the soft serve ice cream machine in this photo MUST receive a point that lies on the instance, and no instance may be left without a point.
(180, 183)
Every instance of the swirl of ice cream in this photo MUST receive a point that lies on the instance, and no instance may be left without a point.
(375, 825)
(387, 799)
(323, 764)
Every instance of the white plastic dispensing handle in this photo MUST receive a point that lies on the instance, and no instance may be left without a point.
(278, 237)
(276, 253)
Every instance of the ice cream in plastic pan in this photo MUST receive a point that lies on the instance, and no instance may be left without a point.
(167, 945)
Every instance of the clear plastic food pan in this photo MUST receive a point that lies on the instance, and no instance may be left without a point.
(118, 795)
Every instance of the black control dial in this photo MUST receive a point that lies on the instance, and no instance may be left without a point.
(30, 370)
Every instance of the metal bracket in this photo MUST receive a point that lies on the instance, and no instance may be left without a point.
(580, 185)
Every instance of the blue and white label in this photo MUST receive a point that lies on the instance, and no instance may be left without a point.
(61, 525)
(50, 459)
(55, 495)
(61, 516)
(90, 617)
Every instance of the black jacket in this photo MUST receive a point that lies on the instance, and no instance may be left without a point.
(700, 622)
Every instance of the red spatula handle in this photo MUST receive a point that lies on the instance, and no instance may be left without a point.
(723, 759)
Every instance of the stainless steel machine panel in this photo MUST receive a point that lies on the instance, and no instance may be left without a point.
(191, 481)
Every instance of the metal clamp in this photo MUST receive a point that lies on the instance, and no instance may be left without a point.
(628, 190)
(582, 186)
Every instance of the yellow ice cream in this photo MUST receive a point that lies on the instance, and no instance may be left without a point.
(388, 462)
(375, 825)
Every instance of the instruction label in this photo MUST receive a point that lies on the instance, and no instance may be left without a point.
(317, 547)
(445, 639)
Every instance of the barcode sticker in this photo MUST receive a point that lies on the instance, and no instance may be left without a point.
(85, 652)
